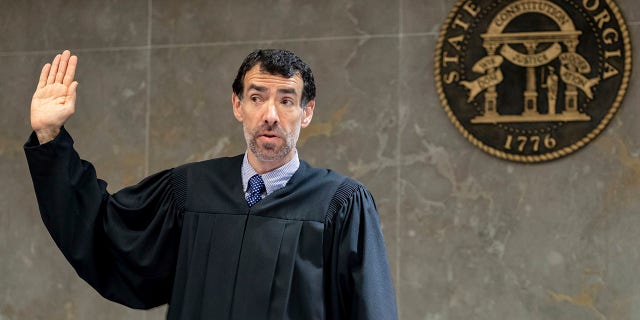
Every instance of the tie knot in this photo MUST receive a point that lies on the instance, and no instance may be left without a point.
(256, 183)
(256, 188)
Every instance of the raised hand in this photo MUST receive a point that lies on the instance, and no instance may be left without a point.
(55, 97)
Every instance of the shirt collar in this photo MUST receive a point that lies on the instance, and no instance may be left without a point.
(274, 179)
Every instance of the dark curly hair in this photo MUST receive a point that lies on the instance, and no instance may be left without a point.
(277, 62)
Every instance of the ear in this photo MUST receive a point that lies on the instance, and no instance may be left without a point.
(308, 113)
(237, 104)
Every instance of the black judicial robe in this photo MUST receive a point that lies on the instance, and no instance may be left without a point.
(186, 237)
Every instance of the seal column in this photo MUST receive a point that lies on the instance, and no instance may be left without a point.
(491, 96)
(531, 94)
(571, 93)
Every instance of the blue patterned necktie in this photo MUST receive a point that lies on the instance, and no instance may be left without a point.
(256, 188)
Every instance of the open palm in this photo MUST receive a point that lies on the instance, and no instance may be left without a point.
(55, 97)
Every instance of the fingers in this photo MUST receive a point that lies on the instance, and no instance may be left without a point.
(62, 68)
(43, 75)
(54, 69)
(71, 71)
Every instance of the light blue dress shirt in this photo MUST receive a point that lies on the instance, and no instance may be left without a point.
(274, 179)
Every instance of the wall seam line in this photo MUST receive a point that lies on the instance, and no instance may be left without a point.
(150, 46)
(398, 155)
(148, 87)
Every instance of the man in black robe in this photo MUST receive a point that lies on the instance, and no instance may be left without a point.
(257, 236)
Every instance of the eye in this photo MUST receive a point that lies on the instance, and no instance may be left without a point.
(255, 98)
(288, 102)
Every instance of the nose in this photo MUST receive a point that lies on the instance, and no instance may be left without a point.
(271, 114)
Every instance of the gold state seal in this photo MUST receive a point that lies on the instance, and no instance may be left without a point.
(532, 80)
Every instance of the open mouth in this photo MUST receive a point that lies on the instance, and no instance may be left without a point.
(270, 134)
(269, 137)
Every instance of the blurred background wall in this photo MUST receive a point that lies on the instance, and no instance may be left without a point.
(469, 236)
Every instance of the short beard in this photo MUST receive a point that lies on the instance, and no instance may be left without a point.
(269, 151)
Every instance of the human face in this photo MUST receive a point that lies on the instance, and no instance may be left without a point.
(271, 116)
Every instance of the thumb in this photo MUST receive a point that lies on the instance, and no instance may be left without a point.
(71, 94)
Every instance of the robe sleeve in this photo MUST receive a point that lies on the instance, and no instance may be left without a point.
(124, 245)
(359, 281)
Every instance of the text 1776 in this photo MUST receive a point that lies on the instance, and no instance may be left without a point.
(534, 142)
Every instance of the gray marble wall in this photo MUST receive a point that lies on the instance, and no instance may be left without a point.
(468, 236)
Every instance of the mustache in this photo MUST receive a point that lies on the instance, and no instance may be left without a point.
(266, 128)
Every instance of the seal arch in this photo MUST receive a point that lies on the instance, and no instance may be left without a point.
(518, 8)
(495, 38)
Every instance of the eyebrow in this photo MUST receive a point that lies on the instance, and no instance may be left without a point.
(257, 88)
(287, 91)
(264, 89)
